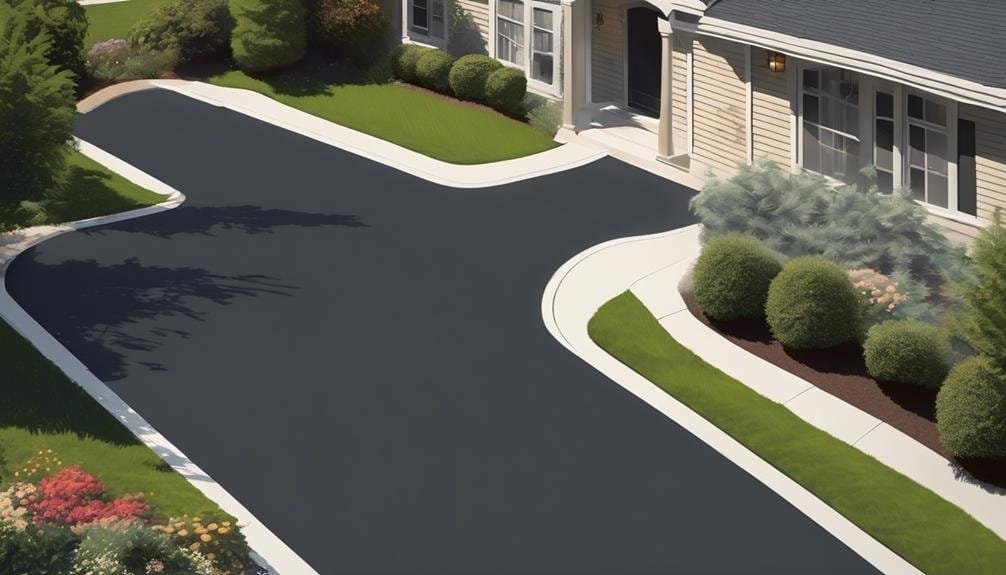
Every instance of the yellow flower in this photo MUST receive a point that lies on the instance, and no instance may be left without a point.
(183, 532)
(224, 530)
(205, 538)
(212, 527)
(194, 546)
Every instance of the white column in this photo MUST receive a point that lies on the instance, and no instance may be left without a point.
(665, 135)
(570, 68)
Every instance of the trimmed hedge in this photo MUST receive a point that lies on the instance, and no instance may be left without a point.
(469, 75)
(432, 70)
(505, 90)
(907, 352)
(732, 277)
(971, 410)
(812, 305)
(189, 28)
(268, 34)
(404, 59)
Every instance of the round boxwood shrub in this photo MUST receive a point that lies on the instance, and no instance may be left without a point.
(505, 90)
(812, 305)
(732, 276)
(907, 352)
(469, 74)
(268, 34)
(971, 410)
(432, 70)
(404, 61)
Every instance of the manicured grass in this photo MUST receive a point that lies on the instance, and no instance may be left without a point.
(42, 409)
(427, 123)
(115, 20)
(929, 532)
(90, 190)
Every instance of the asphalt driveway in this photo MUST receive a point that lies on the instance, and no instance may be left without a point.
(359, 357)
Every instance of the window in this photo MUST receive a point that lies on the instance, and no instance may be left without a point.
(830, 130)
(927, 151)
(884, 146)
(526, 38)
(428, 17)
(510, 31)
(967, 178)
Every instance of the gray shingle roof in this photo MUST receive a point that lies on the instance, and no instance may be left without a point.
(962, 38)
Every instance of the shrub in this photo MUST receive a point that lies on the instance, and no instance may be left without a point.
(505, 90)
(37, 110)
(118, 61)
(907, 352)
(65, 23)
(116, 548)
(346, 28)
(971, 410)
(469, 74)
(542, 113)
(189, 28)
(985, 321)
(268, 34)
(802, 214)
(732, 277)
(73, 496)
(36, 550)
(432, 69)
(218, 539)
(404, 61)
(812, 305)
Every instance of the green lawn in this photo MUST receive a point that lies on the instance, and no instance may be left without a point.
(42, 409)
(929, 532)
(114, 20)
(427, 123)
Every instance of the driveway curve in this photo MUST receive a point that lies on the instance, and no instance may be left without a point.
(358, 356)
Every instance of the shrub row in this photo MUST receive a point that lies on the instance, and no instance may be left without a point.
(473, 77)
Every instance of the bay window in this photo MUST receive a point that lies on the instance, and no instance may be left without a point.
(526, 34)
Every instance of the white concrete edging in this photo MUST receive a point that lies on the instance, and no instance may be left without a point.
(598, 274)
(264, 108)
(267, 549)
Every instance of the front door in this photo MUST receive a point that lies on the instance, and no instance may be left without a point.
(643, 60)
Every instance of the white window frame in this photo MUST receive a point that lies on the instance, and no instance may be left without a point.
(528, 49)
(421, 33)
(803, 66)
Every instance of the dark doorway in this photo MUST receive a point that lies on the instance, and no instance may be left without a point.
(643, 64)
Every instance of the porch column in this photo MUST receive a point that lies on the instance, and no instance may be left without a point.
(570, 68)
(665, 137)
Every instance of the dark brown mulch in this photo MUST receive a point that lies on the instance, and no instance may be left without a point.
(842, 372)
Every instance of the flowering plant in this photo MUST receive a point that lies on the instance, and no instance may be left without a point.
(218, 540)
(74, 496)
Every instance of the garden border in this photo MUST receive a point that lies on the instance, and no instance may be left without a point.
(652, 267)
(266, 549)
(266, 109)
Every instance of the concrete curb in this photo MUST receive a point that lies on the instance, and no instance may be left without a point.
(598, 274)
(268, 550)
(264, 108)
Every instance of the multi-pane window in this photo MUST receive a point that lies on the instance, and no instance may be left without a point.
(526, 37)
(831, 122)
(884, 145)
(428, 17)
(927, 150)
(510, 31)
(543, 45)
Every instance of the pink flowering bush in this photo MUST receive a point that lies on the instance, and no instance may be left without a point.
(74, 496)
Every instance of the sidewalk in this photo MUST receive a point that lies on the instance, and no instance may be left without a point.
(652, 267)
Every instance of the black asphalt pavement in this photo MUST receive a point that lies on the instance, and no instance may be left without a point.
(359, 357)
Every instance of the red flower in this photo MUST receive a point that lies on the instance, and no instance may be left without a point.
(73, 496)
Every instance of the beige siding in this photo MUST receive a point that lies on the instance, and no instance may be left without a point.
(607, 59)
(679, 92)
(990, 157)
(479, 12)
(720, 98)
(770, 111)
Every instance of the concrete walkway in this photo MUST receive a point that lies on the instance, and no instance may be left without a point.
(652, 267)
(264, 108)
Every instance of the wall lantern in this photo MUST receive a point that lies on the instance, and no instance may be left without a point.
(776, 61)
(598, 19)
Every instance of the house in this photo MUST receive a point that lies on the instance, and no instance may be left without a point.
(916, 88)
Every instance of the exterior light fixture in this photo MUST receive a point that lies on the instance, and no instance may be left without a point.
(776, 61)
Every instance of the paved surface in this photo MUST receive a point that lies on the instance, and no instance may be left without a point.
(359, 357)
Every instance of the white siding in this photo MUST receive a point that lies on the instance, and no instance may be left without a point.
(479, 12)
(770, 111)
(607, 59)
(990, 157)
(720, 99)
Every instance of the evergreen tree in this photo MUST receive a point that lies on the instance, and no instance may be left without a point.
(36, 109)
(268, 34)
(65, 22)
(986, 296)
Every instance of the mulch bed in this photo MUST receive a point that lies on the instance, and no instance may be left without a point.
(842, 372)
